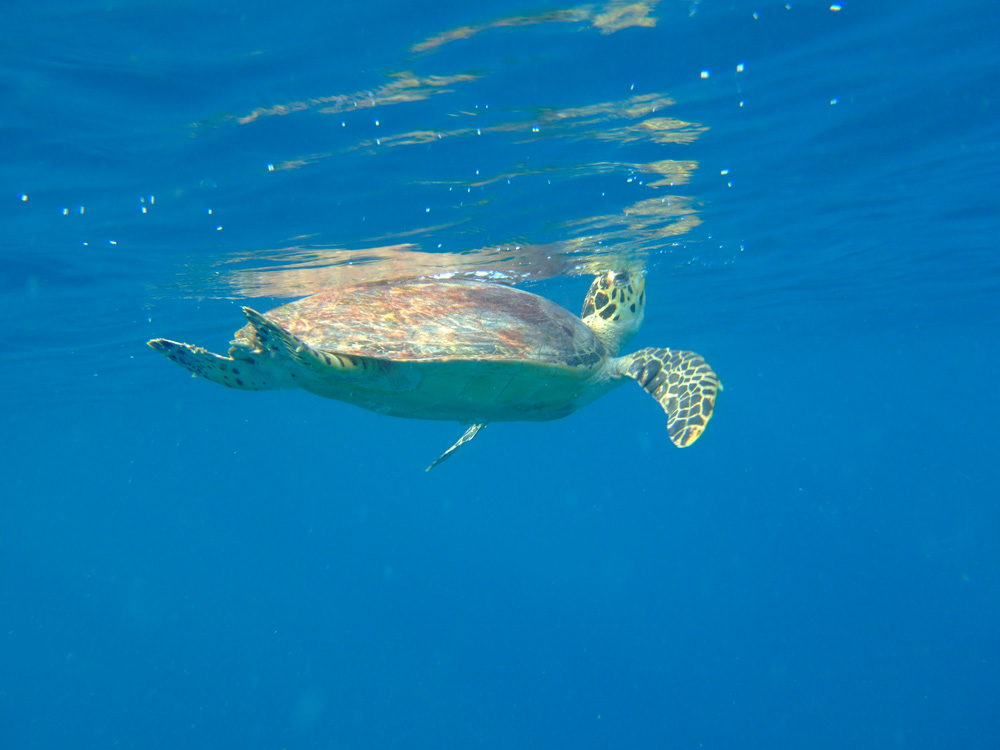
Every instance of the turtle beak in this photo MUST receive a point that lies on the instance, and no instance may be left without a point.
(623, 279)
(619, 278)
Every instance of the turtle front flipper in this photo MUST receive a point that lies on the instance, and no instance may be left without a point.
(244, 374)
(684, 385)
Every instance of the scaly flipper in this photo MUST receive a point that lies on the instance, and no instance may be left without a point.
(323, 363)
(684, 385)
(466, 437)
(244, 373)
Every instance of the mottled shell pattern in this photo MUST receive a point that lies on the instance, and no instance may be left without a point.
(436, 321)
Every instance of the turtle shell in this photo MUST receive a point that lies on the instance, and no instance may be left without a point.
(436, 321)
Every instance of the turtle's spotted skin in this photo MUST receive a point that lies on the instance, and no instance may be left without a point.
(467, 351)
(683, 384)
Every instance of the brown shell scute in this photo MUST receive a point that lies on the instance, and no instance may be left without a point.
(440, 320)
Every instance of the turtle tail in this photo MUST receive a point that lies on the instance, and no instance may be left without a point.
(683, 384)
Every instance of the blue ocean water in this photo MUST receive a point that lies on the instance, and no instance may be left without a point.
(812, 190)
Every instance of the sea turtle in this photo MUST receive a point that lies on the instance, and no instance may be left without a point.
(461, 350)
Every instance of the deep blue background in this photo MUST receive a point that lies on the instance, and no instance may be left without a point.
(185, 566)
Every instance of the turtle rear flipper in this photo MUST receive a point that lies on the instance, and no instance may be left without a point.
(244, 373)
(684, 385)
(326, 364)
(466, 437)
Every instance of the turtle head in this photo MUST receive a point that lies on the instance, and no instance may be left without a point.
(614, 307)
